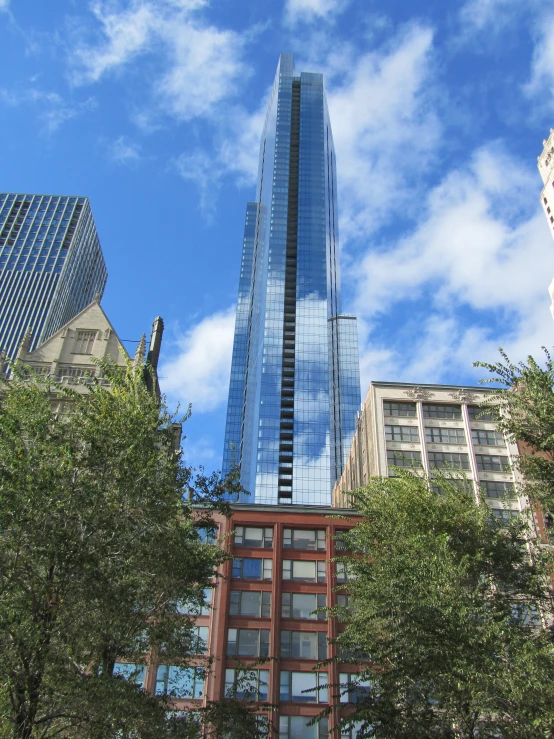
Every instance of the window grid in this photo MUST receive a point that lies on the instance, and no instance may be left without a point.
(299, 570)
(402, 433)
(250, 536)
(304, 605)
(441, 410)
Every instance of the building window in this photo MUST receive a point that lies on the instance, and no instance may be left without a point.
(250, 603)
(248, 536)
(84, 342)
(249, 568)
(460, 484)
(304, 605)
(297, 727)
(499, 490)
(451, 460)
(479, 413)
(302, 571)
(207, 534)
(437, 435)
(304, 539)
(303, 687)
(180, 682)
(492, 463)
(248, 642)
(199, 643)
(250, 685)
(342, 572)
(487, 438)
(341, 544)
(504, 515)
(129, 671)
(402, 433)
(352, 689)
(304, 644)
(403, 458)
(431, 410)
(400, 410)
(352, 729)
(194, 609)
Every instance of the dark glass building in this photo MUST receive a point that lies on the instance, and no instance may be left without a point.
(295, 387)
(51, 265)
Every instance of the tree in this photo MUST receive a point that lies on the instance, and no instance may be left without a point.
(526, 415)
(99, 544)
(445, 603)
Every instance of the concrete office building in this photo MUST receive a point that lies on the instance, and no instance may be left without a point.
(51, 265)
(430, 427)
(545, 163)
(294, 389)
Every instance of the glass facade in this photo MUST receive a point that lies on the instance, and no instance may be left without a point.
(295, 389)
(51, 265)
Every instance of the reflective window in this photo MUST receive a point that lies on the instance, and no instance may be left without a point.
(250, 568)
(304, 571)
(303, 687)
(193, 609)
(247, 684)
(487, 438)
(496, 489)
(432, 410)
(199, 640)
(492, 463)
(353, 689)
(400, 410)
(297, 727)
(439, 435)
(449, 460)
(180, 682)
(248, 536)
(504, 515)
(248, 642)
(403, 458)
(304, 644)
(477, 413)
(402, 433)
(304, 539)
(303, 605)
(132, 672)
(250, 603)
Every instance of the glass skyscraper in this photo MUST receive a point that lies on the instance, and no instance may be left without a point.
(295, 386)
(51, 265)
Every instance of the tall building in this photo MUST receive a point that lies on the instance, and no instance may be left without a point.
(428, 428)
(51, 265)
(545, 163)
(294, 389)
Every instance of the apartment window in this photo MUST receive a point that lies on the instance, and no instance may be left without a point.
(431, 410)
(496, 489)
(341, 544)
(304, 605)
(304, 539)
(342, 572)
(130, 671)
(250, 603)
(399, 410)
(207, 534)
(297, 727)
(450, 460)
(247, 684)
(437, 435)
(304, 571)
(464, 485)
(352, 689)
(180, 682)
(84, 342)
(351, 730)
(492, 463)
(194, 609)
(248, 642)
(402, 433)
(487, 438)
(199, 643)
(304, 644)
(504, 515)
(249, 536)
(403, 458)
(303, 687)
(477, 413)
(250, 568)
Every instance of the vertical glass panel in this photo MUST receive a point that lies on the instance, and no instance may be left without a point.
(250, 603)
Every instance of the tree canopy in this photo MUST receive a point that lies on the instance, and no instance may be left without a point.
(99, 544)
(446, 606)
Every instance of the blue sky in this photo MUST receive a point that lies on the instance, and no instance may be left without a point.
(153, 109)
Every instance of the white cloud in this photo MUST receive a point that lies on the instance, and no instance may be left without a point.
(490, 15)
(4, 5)
(54, 111)
(124, 151)
(541, 83)
(482, 246)
(201, 63)
(199, 371)
(312, 10)
(201, 169)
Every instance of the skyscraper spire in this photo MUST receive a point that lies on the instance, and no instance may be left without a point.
(295, 388)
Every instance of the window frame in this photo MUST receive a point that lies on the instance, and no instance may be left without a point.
(320, 688)
(320, 570)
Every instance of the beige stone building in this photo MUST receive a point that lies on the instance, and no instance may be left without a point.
(545, 163)
(430, 427)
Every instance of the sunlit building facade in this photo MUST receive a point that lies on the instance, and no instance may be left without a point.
(51, 265)
(294, 389)
(545, 163)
